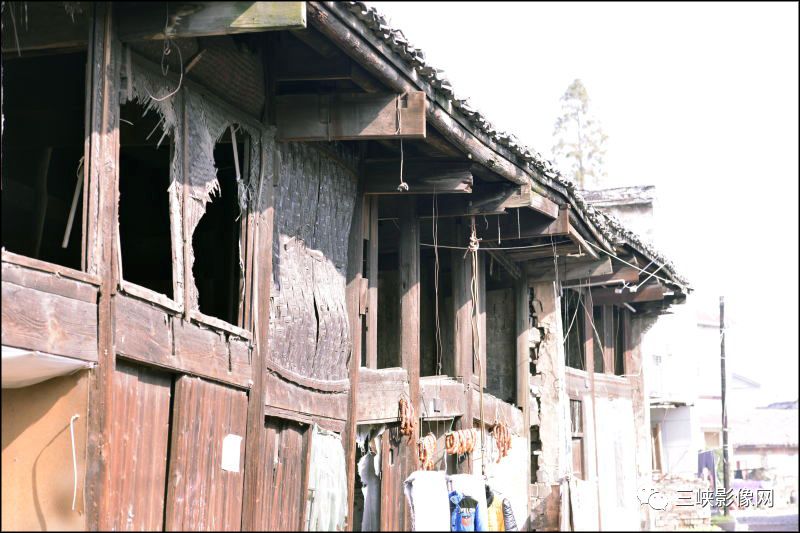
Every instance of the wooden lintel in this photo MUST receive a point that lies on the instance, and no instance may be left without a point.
(146, 21)
(350, 116)
(511, 267)
(568, 269)
(422, 177)
(649, 293)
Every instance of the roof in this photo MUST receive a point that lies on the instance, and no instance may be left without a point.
(619, 196)
(538, 168)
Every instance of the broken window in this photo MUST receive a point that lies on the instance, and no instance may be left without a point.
(217, 265)
(44, 108)
(576, 429)
(572, 322)
(144, 179)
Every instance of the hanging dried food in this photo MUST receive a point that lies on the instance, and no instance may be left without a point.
(426, 448)
(503, 439)
(406, 414)
(461, 441)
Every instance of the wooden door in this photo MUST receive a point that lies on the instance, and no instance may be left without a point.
(137, 448)
(284, 485)
(206, 467)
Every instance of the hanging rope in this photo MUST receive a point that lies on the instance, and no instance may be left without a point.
(403, 185)
(474, 245)
(74, 460)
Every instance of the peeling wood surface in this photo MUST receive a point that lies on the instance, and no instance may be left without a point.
(137, 448)
(48, 322)
(201, 495)
(142, 331)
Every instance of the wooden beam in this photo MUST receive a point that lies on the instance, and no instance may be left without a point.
(422, 177)
(523, 224)
(568, 269)
(523, 373)
(350, 116)
(578, 239)
(649, 293)
(511, 267)
(294, 67)
(145, 21)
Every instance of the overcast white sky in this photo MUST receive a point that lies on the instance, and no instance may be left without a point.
(700, 100)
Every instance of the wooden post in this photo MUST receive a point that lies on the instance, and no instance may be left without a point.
(409, 331)
(588, 350)
(523, 366)
(355, 257)
(372, 291)
(607, 334)
(255, 444)
(462, 334)
(103, 162)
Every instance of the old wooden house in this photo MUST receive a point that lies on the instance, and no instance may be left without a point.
(238, 236)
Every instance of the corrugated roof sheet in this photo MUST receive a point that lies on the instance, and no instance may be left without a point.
(607, 225)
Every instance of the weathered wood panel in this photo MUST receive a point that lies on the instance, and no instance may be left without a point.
(137, 448)
(501, 344)
(283, 487)
(314, 200)
(393, 501)
(142, 331)
(350, 116)
(49, 283)
(202, 495)
(205, 352)
(48, 322)
(449, 394)
(378, 394)
(290, 400)
(496, 410)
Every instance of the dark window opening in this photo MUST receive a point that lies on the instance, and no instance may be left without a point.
(598, 343)
(572, 322)
(217, 271)
(44, 107)
(435, 342)
(536, 449)
(619, 341)
(388, 294)
(144, 178)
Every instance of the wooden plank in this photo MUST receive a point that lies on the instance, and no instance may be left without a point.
(568, 269)
(372, 296)
(378, 394)
(141, 21)
(608, 339)
(49, 283)
(523, 367)
(202, 493)
(422, 177)
(204, 352)
(449, 394)
(393, 501)
(142, 331)
(44, 266)
(649, 293)
(522, 224)
(578, 239)
(48, 322)
(496, 410)
(137, 448)
(350, 116)
(299, 403)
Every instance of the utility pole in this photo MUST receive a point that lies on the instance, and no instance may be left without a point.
(725, 479)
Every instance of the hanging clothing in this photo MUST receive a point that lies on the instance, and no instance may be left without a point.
(371, 481)
(509, 523)
(494, 518)
(426, 494)
(467, 494)
(327, 482)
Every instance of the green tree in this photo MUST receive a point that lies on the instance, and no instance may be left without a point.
(580, 142)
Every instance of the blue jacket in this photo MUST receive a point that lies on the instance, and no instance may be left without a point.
(465, 514)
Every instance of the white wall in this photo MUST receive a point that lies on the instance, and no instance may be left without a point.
(681, 438)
